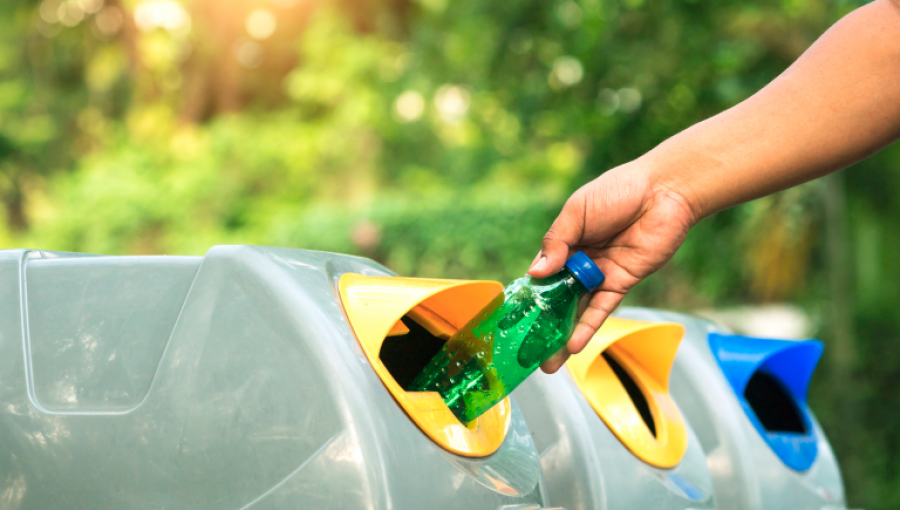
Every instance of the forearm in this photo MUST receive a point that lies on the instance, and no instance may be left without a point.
(839, 103)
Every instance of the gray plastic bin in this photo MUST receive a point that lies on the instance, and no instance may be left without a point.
(586, 467)
(746, 472)
(246, 379)
(647, 462)
(231, 380)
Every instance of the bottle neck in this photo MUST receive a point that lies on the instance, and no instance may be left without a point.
(575, 284)
(563, 282)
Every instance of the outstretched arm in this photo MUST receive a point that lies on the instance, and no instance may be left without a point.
(837, 104)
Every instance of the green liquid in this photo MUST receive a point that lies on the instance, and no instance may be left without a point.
(492, 354)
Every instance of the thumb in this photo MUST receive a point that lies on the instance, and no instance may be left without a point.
(564, 234)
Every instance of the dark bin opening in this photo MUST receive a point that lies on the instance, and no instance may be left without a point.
(634, 392)
(405, 356)
(772, 404)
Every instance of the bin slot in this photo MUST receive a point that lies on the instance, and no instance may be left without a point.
(407, 354)
(624, 375)
(634, 392)
(775, 409)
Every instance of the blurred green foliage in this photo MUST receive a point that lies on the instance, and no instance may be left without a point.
(441, 138)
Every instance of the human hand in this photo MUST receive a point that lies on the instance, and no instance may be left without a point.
(801, 126)
(629, 225)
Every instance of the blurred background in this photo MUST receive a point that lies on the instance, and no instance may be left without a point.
(442, 138)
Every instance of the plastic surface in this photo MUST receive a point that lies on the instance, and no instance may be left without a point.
(791, 364)
(586, 467)
(375, 305)
(646, 352)
(585, 270)
(229, 381)
(746, 472)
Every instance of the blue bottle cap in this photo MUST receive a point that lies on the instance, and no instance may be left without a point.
(585, 270)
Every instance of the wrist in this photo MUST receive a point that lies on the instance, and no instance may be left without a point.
(667, 182)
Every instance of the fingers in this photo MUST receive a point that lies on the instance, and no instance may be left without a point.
(555, 362)
(600, 306)
(565, 233)
(595, 213)
(536, 259)
(597, 309)
(594, 312)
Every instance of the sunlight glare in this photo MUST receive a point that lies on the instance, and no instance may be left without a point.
(567, 71)
(167, 14)
(261, 24)
(409, 106)
(452, 102)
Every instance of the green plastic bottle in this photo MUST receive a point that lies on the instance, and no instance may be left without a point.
(492, 354)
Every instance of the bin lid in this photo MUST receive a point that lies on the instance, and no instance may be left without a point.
(374, 306)
(784, 367)
(646, 352)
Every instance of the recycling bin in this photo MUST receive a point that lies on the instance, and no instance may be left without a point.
(249, 378)
(269, 378)
(608, 433)
(746, 400)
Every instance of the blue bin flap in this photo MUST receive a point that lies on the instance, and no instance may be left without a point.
(790, 363)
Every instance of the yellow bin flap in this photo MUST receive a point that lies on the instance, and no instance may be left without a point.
(374, 306)
(646, 351)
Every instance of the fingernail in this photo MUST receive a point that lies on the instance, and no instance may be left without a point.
(539, 264)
